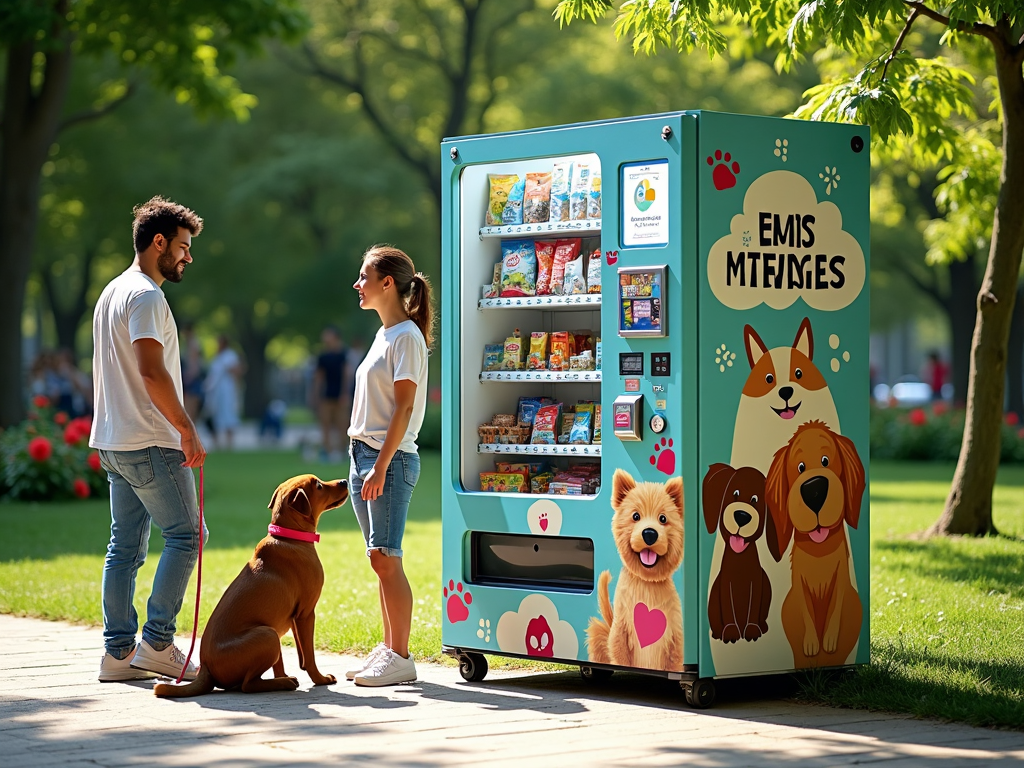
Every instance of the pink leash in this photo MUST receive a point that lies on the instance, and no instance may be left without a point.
(199, 581)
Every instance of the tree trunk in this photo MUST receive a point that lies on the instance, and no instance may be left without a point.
(30, 121)
(962, 310)
(969, 506)
(1015, 358)
(67, 316)
(254, 346)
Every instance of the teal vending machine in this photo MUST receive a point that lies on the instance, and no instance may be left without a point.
(655, 397)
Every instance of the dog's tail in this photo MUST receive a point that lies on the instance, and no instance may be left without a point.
(598, 630)
(603, 602)
(202, 684)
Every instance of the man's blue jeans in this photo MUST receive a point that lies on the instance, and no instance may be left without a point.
(147, 486)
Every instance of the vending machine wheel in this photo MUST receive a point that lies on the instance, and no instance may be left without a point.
(700, 693)
(472, 667)
(595, 674)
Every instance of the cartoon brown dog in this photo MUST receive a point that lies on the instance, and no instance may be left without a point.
(734, 505)
(277, 590)
(815, 484)
(646, 628)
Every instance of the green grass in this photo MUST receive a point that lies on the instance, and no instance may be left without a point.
(947, 615)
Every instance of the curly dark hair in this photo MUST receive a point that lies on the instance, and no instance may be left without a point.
(160, 216)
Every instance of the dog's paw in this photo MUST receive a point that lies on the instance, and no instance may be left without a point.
(830, 641)
(751, 632)
(731, 633)
(811, 645)
(325, 680)
(293, 683)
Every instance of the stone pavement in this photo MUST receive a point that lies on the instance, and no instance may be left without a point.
(53, 712)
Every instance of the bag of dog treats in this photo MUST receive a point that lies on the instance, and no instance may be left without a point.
(545, 423)
(538, 357)
(594, 196)
(537, 198)
(597, 424)
(594, 272)
(545, 250)
(560, 192)
(579, 188)
(573, 282)
(527, 410)
(514, 355)
(518, 268)
(579, 433)
(565, 251)
(513, 211)
(501, 184)
(493, 354)
(560, 344)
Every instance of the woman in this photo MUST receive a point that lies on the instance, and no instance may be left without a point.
(387, 413)
(221, 386)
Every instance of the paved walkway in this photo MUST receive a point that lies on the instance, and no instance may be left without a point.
(53, 712)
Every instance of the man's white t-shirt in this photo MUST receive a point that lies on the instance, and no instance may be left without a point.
(131, 307)
(397, 353)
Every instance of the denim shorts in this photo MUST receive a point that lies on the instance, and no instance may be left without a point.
(382, 520)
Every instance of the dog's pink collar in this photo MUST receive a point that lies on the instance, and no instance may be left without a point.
(291, 533)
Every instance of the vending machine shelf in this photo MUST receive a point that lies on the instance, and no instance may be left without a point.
(551, 376)
(548, 227)
(577, 301)
(528, 449)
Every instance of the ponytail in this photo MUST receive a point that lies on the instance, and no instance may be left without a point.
(419, 308)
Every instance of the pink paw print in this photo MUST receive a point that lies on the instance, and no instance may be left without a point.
(542, 521)
(724, 174)
(455, 607)
(664, 458)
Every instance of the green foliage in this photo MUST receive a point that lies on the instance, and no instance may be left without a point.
(934, 434)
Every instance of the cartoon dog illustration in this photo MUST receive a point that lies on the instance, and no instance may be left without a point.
(646, 628)
(784, 389)
(734, 505)
(815, 484)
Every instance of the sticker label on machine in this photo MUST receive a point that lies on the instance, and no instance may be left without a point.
(645, 204)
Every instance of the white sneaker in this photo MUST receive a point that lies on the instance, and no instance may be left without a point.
(368, 662)
(167, 662)
(389, 669)
(113, 669)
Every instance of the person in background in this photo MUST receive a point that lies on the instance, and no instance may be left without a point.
(333, 400)
(221, 387)
(387, 413)
(937, 373)
(192, 372)
(147, 444)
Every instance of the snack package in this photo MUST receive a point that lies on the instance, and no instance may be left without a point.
(560, 346)
(594, 196)
(494, 289)
(545, 250)
(556, 363)
(513, 211)
(493, 354)
(501, 185)
(573, 282)
(579, 188)
(539, 483)
(527, 410)
(565, 251)
(579, 433)
(518, 268)
(560, 178)
(597, 424)
(506, 467)
(545, 423)
(538, 357)
(594, 272)
(565, 489)
(537, 198)
(584, 340)
(514, 354)
(597, 354)
(504, 482)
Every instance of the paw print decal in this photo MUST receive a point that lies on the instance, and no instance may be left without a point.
(725, 170)
(782, 148)
(724, 358)
(831, 179)
(484, 633)
(664, 458)
(456, 601)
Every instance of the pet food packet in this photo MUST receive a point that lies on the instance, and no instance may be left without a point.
(594, 272)
(545, 423)
(584, 340)
(579, 433)
(573, 283)
(565, 426)
(597, 354)
(513, 211)
(565, 489)
(560, 344)
(514, 355)
(527, 410)
(594, 196)
(545, 250)
(555, 363)
(597, 424)
(501, 185)
(538, 357)
(579, 188)
(537, 198)
(560, 177)
(493, 355)
(565, 251)
(539, 483)
(494, 290)
(518, 268)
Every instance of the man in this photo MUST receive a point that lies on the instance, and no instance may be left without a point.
(147, 443)
(334, 399)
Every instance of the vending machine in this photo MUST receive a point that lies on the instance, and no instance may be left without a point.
(655, 397)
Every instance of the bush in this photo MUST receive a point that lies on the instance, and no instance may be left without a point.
(47, 457)
(933, 433)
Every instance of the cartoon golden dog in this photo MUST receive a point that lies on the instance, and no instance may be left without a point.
(646, 628)
(815, 484)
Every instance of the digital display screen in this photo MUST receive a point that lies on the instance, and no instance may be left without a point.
(631, 364)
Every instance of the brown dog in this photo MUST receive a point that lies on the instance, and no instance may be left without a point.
(816, 482)
(277, 590)
(741, 595)
(646, 629)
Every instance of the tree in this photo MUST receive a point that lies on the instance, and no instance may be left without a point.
(919, 105)
(180, 46)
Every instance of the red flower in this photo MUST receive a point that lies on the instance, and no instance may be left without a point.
(94, 461)
(918, 417)
(72, 434)
(81, 488)
(40, 401)
(940, 408)
(1020, 433)
(1012, 419)
(60, 418)
(39, 448)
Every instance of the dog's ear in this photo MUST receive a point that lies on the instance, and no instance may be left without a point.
(755, 347)
(804, 340)
(299, 501)
(713, 493)
(852, 478)
(622, 484)
(273, 499)
(777, 498)
(674, 488)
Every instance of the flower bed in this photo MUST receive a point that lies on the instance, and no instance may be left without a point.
(48, 457)
(934, 433)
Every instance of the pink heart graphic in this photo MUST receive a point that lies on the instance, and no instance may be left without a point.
(649, 625)
(611, 257)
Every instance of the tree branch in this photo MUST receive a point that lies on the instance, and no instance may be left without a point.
(93, 114)
(899, 40)
(929, 289)
(985, 30)
(414, 53)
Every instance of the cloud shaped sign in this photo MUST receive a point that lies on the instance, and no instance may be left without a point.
(784, 246)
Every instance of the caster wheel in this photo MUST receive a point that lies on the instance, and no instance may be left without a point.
(595, 674)
(472, 667)
(699, 693)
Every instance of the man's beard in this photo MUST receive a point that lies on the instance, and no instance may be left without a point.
(165, 263)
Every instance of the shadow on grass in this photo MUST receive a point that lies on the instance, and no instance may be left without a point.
(982, 569)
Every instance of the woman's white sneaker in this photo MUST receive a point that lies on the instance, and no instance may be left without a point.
(389, 669)
(367, 662)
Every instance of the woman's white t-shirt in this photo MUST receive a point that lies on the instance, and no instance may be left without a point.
(397, 353)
